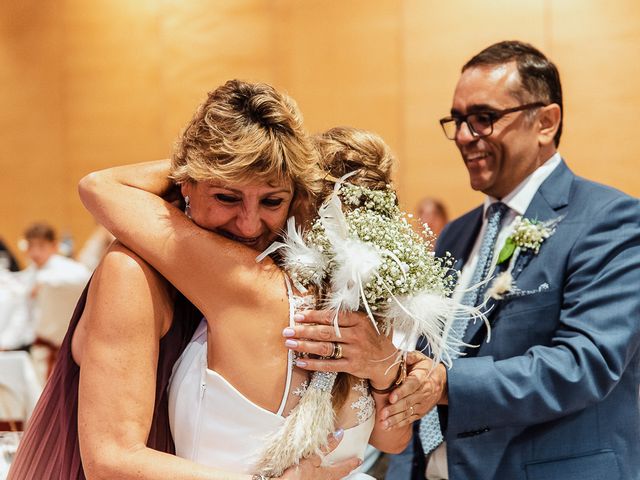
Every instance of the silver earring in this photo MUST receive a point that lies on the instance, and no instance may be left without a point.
(187, 206)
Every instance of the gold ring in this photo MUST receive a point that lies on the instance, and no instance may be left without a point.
(411, 411)
(337, 351)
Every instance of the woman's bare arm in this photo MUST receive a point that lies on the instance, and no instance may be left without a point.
(117, 346)
(125, 200)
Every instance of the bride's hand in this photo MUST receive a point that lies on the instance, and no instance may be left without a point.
(363, 352)
(310, 469)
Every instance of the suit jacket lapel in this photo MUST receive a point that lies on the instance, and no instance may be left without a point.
(547, 204)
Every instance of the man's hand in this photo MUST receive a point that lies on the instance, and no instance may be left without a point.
(365, 352)
(310, 469)
(424, 388)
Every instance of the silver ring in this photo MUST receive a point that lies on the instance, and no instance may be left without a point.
(411, 411)
(337, 351)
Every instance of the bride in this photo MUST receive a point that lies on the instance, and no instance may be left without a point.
(235, 385)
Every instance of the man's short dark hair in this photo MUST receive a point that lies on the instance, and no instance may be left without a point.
(41, 231)
(539, 75)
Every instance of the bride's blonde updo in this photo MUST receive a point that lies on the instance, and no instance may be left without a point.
(247, 132)
(346, 149)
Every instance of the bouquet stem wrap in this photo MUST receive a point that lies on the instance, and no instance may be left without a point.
(305, 430)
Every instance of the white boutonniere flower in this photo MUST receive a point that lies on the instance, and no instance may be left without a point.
(528, 235)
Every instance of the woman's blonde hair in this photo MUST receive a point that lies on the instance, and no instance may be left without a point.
(247, 132)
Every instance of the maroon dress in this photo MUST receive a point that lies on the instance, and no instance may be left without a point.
(49, 448)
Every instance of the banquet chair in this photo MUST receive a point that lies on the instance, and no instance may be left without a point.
(54, 306)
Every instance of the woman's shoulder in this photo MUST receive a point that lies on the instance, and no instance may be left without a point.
(125, 294)
(119, 263)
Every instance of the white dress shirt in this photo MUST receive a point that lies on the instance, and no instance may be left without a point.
(518, 201)
(60, 282)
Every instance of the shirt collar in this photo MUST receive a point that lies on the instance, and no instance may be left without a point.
(520, 197)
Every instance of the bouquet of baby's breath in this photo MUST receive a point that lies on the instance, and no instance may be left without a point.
(398, 261)
(361, 253)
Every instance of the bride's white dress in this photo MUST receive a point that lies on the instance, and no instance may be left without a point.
(214, 424)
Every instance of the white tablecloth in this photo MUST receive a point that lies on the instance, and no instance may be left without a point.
(19, 386)
(19, 392)
(15, 330)
(8, 445)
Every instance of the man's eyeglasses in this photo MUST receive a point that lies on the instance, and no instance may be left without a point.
(480, 123)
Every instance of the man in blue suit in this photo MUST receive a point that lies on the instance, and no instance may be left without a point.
(553, 394)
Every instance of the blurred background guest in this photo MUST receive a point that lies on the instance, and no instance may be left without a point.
(432, 212)
(52, 285)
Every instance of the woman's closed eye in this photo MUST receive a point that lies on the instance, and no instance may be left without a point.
(272, 202)
(225, 198)
(269, 202)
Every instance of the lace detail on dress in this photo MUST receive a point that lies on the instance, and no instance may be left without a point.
(365, 405)
(299, 392)
(301, 303)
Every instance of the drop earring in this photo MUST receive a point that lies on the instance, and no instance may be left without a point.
(187, 206)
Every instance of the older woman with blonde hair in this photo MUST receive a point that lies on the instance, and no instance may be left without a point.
(244, 161)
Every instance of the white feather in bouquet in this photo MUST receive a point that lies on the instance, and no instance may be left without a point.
(306, 264)
(431, 316)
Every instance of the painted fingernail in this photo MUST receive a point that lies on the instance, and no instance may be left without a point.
(301, 363)
(338, 434)
(298, 317)
(291, 343)
(288, 332)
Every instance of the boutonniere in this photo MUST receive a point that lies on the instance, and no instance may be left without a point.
(528, 235)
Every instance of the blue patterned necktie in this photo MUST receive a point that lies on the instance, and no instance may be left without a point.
(430, 432)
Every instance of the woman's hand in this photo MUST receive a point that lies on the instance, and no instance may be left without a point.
(363, 352)
(424, 388)
(310, 469)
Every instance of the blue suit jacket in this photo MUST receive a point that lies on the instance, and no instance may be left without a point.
(554, 394)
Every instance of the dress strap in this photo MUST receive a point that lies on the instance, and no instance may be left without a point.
(289, 353)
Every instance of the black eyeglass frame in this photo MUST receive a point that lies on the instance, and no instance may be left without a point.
(493, 115)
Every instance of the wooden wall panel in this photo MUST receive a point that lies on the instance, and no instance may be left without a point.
(32, 167)
(112, 91)
(207, 43)
(597, 49)
(92, 84)
(340, 62)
